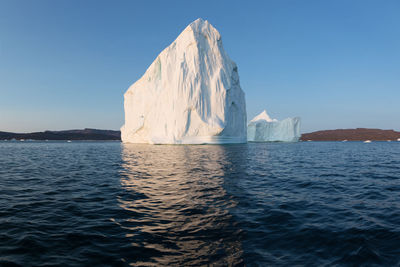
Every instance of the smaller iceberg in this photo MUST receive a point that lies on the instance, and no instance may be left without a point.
(264, 129)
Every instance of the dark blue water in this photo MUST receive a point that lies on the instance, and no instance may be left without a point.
(104, 203)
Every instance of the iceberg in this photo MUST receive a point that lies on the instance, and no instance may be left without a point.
(190, 94)
(264, 129)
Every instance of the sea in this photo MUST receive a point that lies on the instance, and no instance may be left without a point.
(84, 203)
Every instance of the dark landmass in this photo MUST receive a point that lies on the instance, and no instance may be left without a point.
(359, 134)
(85, 134)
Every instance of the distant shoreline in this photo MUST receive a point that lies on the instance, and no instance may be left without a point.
(76, 135)
(359, 134)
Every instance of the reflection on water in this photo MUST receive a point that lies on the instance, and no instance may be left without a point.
(178, 205)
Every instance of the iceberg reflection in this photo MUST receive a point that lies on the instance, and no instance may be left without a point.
(178, 207)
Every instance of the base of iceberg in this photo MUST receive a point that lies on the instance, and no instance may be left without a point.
(264, 129)
(194, 140)
(200, 140)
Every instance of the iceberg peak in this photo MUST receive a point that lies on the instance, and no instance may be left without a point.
(199, 23)
(199, 32)
(263, 116)
(200, 26)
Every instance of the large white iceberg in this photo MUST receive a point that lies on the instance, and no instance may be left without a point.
(190, 94)
(264, 129)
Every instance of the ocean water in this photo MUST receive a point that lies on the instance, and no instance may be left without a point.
(110, 204)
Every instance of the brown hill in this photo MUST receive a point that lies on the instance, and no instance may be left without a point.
(359, 134)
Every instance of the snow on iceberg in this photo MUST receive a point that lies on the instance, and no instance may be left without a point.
(264, 129)
(190, 94)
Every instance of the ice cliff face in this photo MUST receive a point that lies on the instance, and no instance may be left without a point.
(264, 129)
(189, 95)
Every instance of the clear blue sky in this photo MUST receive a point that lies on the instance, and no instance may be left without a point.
(66, 64)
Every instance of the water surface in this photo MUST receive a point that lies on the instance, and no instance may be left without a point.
(93, 203)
